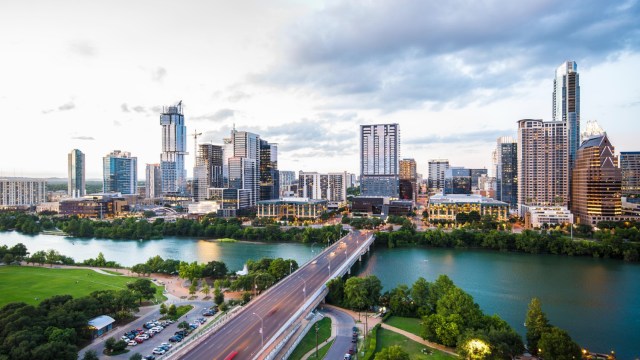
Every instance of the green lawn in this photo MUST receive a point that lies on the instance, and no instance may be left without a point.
(33, 284)
(308, 342)
(411, 325)
(322, 351)
(387, 338)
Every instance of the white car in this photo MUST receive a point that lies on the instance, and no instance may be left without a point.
(166, 344)
(132, 343)
(158, 351)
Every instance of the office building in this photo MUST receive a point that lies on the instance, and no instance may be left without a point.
(230, 200)
(596, 182)
(505, 161)
(291, 208)
(153, 183)
(543, 171)
(96, 206)
(288, 183)
(459, 180)
(76, 174)
(537, 217)
(242, 153)
(630, 166)
(120, 173)
(380, 206)
(379, 155)
(269, 175)
(437, 168)
(445, 208)
(174, 149)
(566, 105)
(331, 187)
(207, 171)
(408, 180)
(20, 192)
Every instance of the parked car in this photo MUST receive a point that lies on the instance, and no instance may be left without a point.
(132, 343)
(166, 344)
(149, 357)
(158, 351)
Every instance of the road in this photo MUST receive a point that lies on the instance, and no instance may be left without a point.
(275, 307)
(344, 329)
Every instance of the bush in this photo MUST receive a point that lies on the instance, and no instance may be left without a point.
(373, 343)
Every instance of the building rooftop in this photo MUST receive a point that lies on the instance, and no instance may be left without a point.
(292, 200)
(101, 321)
(463, 199)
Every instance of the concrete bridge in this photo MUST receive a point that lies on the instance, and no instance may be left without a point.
(263, 329)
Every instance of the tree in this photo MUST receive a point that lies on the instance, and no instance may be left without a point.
(215, 269)
(193, 287)
(246, 297)
(183, 325)
(394, 352)
(163, 309)
(400, 301)
(536, 323)
(172, 309)
(90, 355)
(218, 297)
(119, 346)
(556, 343)
(458, 302)
(205, 289)
(355, 293)
(143, 288)
(52, 257)
(420, 296)
(109, 344)
(39, 257)
(336, 291)
(439, 288)
(190, 271)
(135, 356)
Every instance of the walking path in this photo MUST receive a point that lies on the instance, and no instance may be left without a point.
(418, 339)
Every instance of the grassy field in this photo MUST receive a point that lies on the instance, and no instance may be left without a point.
(411, 325)
(387, 338)
(308, 342)
(33, 284)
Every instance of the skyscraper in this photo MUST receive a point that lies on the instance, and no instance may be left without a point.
(243, 163)
(596, 182)
(120, 173)
(408, 180)
(269, 176)
(379, 154)
(505, 160)
(437, 168)
(543, 172)
(174, 145)
(630, 166)
(207, 171)
(566, 104)
(331, 187)
(153, 188)
(76, 174)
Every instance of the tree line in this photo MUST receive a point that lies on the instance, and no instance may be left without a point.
(614, 244)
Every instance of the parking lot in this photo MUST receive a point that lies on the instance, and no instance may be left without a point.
(147, 346)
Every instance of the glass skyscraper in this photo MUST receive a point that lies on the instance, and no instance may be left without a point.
(566, 104)
(120, 173)
(174, 143)
(506, 170)
(76, 174)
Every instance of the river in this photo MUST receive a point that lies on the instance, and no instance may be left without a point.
(596, 300)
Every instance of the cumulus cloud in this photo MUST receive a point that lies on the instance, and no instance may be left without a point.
(159, 74)
(408, 53)
(82, 138)
(219, 115)
(83, 48)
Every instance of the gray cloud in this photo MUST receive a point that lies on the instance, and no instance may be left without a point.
(139, 109)
(82, 138)
(117, 123)
(124, 107)
(407, 53)
(159, 74)
(83, 48)
(64, 107)
(219, 115)
(488, 135)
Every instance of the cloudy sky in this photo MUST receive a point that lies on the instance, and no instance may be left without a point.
(454, 74)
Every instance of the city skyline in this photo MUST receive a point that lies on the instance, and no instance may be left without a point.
(298, 74)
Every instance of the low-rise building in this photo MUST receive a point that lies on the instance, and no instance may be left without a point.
(291, 207)
(104, 205)
(53, 206)
(538, 216)
(18, 192)
(382, 206)
(447, 207)
(100, 325)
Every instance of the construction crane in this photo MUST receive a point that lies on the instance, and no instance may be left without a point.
(195, 144)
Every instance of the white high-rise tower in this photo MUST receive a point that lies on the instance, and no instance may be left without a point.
(174, 149)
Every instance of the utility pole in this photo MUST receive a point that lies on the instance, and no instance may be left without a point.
(316, 340)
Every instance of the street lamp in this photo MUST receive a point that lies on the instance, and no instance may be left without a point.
(304, 289)
(261, 329)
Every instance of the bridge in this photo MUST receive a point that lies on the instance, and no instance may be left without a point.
(260, 329)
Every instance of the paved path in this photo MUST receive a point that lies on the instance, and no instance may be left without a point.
(418, 339)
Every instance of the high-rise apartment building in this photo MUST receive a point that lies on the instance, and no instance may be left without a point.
(543, 171)
(269, 175)
(153, 184)
(120, 173)
(207, 171)
(437, 168)
(331, 187)
(566, 105)
(408, 180)
(630, 166)
(505, 161)
(174, 149)
(379, 155)
(596, 182)
(22, 192)
(243, 163)
(76, 174)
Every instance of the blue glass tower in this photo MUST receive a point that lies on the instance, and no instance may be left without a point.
(174, 148)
